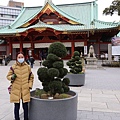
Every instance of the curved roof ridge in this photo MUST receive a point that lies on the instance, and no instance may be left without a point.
(33, 7)
(103, 22)
(76, 3)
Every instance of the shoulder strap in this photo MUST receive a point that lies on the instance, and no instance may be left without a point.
(12, 69)
(29, 75)
(13, 72)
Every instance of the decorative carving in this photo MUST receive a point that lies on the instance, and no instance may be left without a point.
(48, 11)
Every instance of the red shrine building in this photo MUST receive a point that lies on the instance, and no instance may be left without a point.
(75, 25)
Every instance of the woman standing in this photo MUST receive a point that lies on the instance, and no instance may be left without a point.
(22, 80)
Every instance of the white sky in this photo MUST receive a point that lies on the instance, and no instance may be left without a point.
(101, 5)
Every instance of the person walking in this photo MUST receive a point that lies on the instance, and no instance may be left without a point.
(40, 57)
(31, 59)
(21, 79)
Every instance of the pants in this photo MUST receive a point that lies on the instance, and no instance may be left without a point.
(31, 65)
(16, 110)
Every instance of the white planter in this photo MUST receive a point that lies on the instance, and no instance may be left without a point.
(53, 109)
(76, 79)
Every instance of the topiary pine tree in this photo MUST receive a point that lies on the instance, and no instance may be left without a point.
(51, 75)
(75, 63)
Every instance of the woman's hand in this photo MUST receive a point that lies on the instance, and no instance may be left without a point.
(13, 77)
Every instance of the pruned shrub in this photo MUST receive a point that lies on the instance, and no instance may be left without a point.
(75, 63)
(58, 49)
(53, 73)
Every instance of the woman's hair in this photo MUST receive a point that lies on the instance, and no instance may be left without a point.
(19, 53)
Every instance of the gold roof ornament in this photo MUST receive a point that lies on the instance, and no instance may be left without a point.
(49, 1)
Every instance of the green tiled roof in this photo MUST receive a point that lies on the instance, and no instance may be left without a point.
(81, 11)
(60, 27)
(101, 24)
(26, 14)
(62, 12)
(85, 13)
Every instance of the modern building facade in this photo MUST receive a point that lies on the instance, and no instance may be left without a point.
(8, 15)
(12, 3)
(75, 25)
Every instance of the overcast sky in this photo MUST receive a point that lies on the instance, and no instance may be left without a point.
(101, 5)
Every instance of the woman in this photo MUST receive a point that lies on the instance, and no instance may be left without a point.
(22, 80)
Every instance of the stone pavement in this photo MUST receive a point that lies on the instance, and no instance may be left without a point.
(99, 99)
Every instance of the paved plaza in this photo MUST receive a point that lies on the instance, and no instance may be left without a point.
(99, 99)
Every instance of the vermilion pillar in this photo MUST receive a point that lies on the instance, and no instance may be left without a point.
(32, 47)
(21, 45)
(99, 48)
(85, 43)
(10, 47)
(72, 48)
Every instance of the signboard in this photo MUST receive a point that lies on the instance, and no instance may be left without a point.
(85, 50)
(115, 50)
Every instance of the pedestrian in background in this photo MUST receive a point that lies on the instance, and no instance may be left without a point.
(31, 60)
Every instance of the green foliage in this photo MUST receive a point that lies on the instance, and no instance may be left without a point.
(46, 88)
(58, 49)
(75, 63)
(47, 63)
(58, 64)
(55, 87)
(78, 62)
(53, 73)
(68, 63)
(39, 92)
(114, 7)
(61, 71)
(66, 89)
(57, 79)
(66, 81)
(42, 73)
(65, 71)
(76, 53)
(77, 58)
(52, 57)
(62, 96)
(45, 83)
(72, 59)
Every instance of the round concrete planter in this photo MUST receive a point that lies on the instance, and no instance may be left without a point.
(55, 109)
(76, 79)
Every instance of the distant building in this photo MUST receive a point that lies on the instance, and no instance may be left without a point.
(12, 3)
(9, 13)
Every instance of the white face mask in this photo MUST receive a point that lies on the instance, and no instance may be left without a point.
(21, 60)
